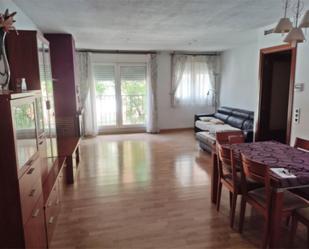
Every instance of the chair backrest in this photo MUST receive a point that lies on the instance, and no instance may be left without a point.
(301, 144)
(234, 156)
(236, 139)
(258, 172)
(224, 153)
(223, 137)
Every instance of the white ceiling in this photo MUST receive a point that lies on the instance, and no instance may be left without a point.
(201, 25)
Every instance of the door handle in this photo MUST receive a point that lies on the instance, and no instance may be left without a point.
(30, 171)
(51, 220)
(36, 213)
(32, 193)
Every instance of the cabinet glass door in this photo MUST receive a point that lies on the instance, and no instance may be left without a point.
(47, 98)
(43, 85)
(40, 116)
(50, 93)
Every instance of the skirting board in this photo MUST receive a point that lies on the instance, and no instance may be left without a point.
(177, 130)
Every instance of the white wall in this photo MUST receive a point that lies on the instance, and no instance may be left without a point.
(22, 20)
(240, 83)
(238, 88)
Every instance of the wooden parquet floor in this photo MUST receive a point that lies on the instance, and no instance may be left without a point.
(142, 191)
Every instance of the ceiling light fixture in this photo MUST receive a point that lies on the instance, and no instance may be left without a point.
(284, 25)
(295, 33)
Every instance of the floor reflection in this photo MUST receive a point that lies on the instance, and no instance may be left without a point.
(187, 171)
(117, 162)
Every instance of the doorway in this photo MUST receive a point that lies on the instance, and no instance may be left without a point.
(120, 96)
(277, 74)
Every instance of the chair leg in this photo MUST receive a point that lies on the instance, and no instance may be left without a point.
(219, 195)
(308, 237)
(231, 197)
(293, 231)
(233, 209)
(287, 221)
(266, 234)
(242, 213)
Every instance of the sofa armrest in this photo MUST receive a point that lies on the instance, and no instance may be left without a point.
(198, 116)
(248, 135)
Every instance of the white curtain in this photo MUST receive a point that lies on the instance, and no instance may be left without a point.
(193, 80)
(152, 105)
(178, 67)
(88, 98)
(211, 62)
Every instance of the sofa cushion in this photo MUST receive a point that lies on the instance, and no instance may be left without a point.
(225, 110)
(205, 126)
(221, 116)
(213, 128)
(235, 121)
(206, 119)
(205, 137)
(221, 128)
(247, 125)
(216, 121)
(241, 114)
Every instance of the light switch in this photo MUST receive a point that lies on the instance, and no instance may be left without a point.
(299, 87)
(296, 115)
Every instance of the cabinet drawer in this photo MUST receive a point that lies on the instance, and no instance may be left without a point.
(51, 218)
(53, 196)
(34, 229)
(52, 210)
(30, 178)
(29, 200)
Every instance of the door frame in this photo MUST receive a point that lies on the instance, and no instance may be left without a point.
(263, 53)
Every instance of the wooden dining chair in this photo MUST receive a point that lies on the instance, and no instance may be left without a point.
(224, 163)
(229, 173)
(260, 199)
(300, 215)
(301, 144)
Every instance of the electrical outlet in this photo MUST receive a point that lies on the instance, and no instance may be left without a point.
(296, 117)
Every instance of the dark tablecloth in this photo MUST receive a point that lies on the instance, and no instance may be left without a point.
(277, 155)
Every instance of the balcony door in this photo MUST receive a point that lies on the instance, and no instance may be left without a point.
(120, 96)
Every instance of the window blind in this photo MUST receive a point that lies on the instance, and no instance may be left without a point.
(104, 72)
(133, 73)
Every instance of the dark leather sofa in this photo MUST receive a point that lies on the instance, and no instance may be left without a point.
(238, 118)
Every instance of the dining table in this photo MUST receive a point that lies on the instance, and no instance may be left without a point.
(275, 155)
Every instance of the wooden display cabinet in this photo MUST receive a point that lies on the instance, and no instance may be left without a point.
(29, 56)
(21, 208)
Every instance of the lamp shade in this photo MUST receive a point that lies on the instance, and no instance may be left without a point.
(284, 26)
(305, 21)
(295, 36)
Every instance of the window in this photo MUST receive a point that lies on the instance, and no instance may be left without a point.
(191, 80)
(120, 94)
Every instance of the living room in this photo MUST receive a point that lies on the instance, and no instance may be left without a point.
(138, 124)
